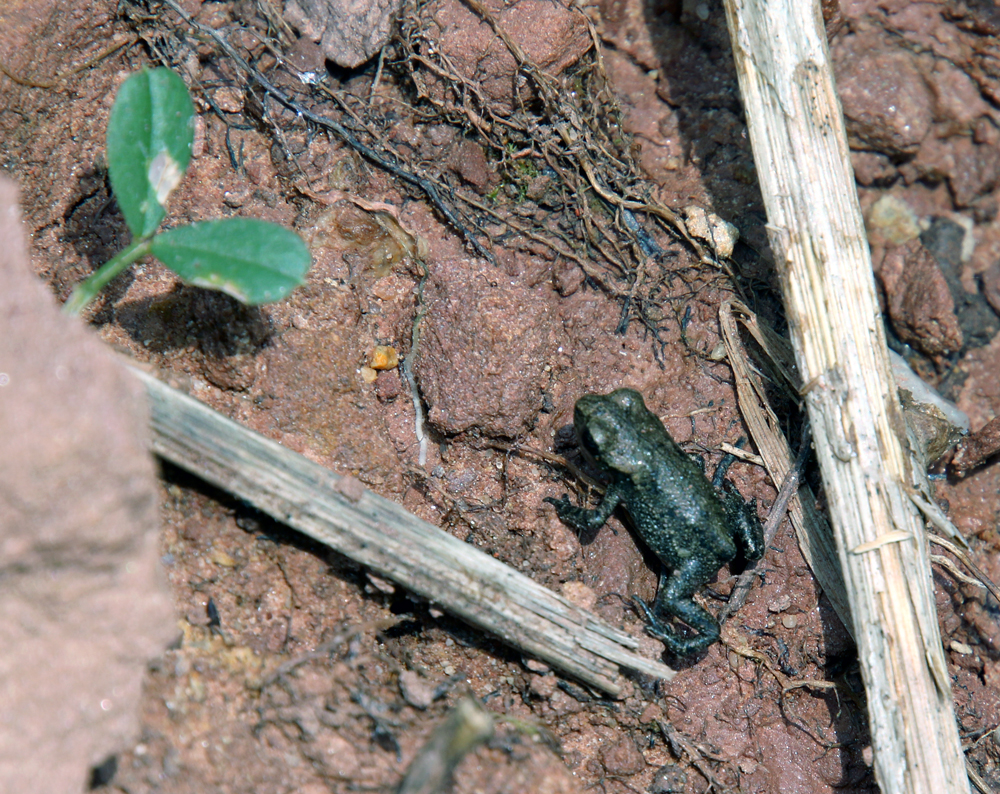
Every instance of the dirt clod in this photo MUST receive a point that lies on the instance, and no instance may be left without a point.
(470, 340)
(918, 300)
(886, 101)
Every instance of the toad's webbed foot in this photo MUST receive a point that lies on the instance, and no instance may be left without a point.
(708, 631)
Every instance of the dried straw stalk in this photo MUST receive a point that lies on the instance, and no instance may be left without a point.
(818, 238)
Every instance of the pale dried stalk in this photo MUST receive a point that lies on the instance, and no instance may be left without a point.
(797, 132)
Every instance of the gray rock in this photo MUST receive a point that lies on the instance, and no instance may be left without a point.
(348, 31)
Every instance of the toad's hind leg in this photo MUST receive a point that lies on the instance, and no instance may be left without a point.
(747, 532)
(674, 598)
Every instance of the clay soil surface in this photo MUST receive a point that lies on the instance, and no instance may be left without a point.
(504, 348)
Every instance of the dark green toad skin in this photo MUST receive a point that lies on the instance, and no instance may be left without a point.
(674, 508)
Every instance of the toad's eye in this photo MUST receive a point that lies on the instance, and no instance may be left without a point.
(592, 439)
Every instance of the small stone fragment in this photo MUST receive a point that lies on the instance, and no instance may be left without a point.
(919, 301)
(892, 221)
(349, 31)
(977, 448)
(470, 163)
(669, 779)
(219, 557)
(887, 105)
(388, 385)
(350, 487)
(578, 594)
(416, 691)
(973, 171)
(721, 235)
(384, 357)
(956, 95)
(536, 666)
(872, 168)
(543, 686)
(229, 99)
(622, 758)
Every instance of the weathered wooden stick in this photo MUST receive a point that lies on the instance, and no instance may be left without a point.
(392, 542)
(821, 251)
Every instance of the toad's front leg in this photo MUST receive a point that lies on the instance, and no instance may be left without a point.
(580, 518)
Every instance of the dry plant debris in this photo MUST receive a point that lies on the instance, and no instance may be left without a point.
(566, 175)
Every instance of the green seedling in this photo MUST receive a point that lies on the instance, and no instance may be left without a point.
(150, 135)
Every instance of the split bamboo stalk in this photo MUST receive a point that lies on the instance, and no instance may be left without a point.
(821, 252)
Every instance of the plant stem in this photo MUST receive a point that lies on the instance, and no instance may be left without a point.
(87, 290)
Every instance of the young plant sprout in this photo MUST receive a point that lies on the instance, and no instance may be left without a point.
(150, 136)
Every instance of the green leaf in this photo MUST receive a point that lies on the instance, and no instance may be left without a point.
(150, 135)
(252, 260)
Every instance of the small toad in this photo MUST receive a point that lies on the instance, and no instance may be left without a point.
(673, 506)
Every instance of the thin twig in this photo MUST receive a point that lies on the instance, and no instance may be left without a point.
(964, 558)
(122, 40)
(558, 460)
(325, 649)
(774, 519)
(681, 744)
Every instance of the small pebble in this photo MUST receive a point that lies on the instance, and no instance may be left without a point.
(579, 594)
(543, 686)
(536, 666)
(350, 487)
(669, 779)
(416, 691)
(622, 758)
(220, 557)
(384, 357)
